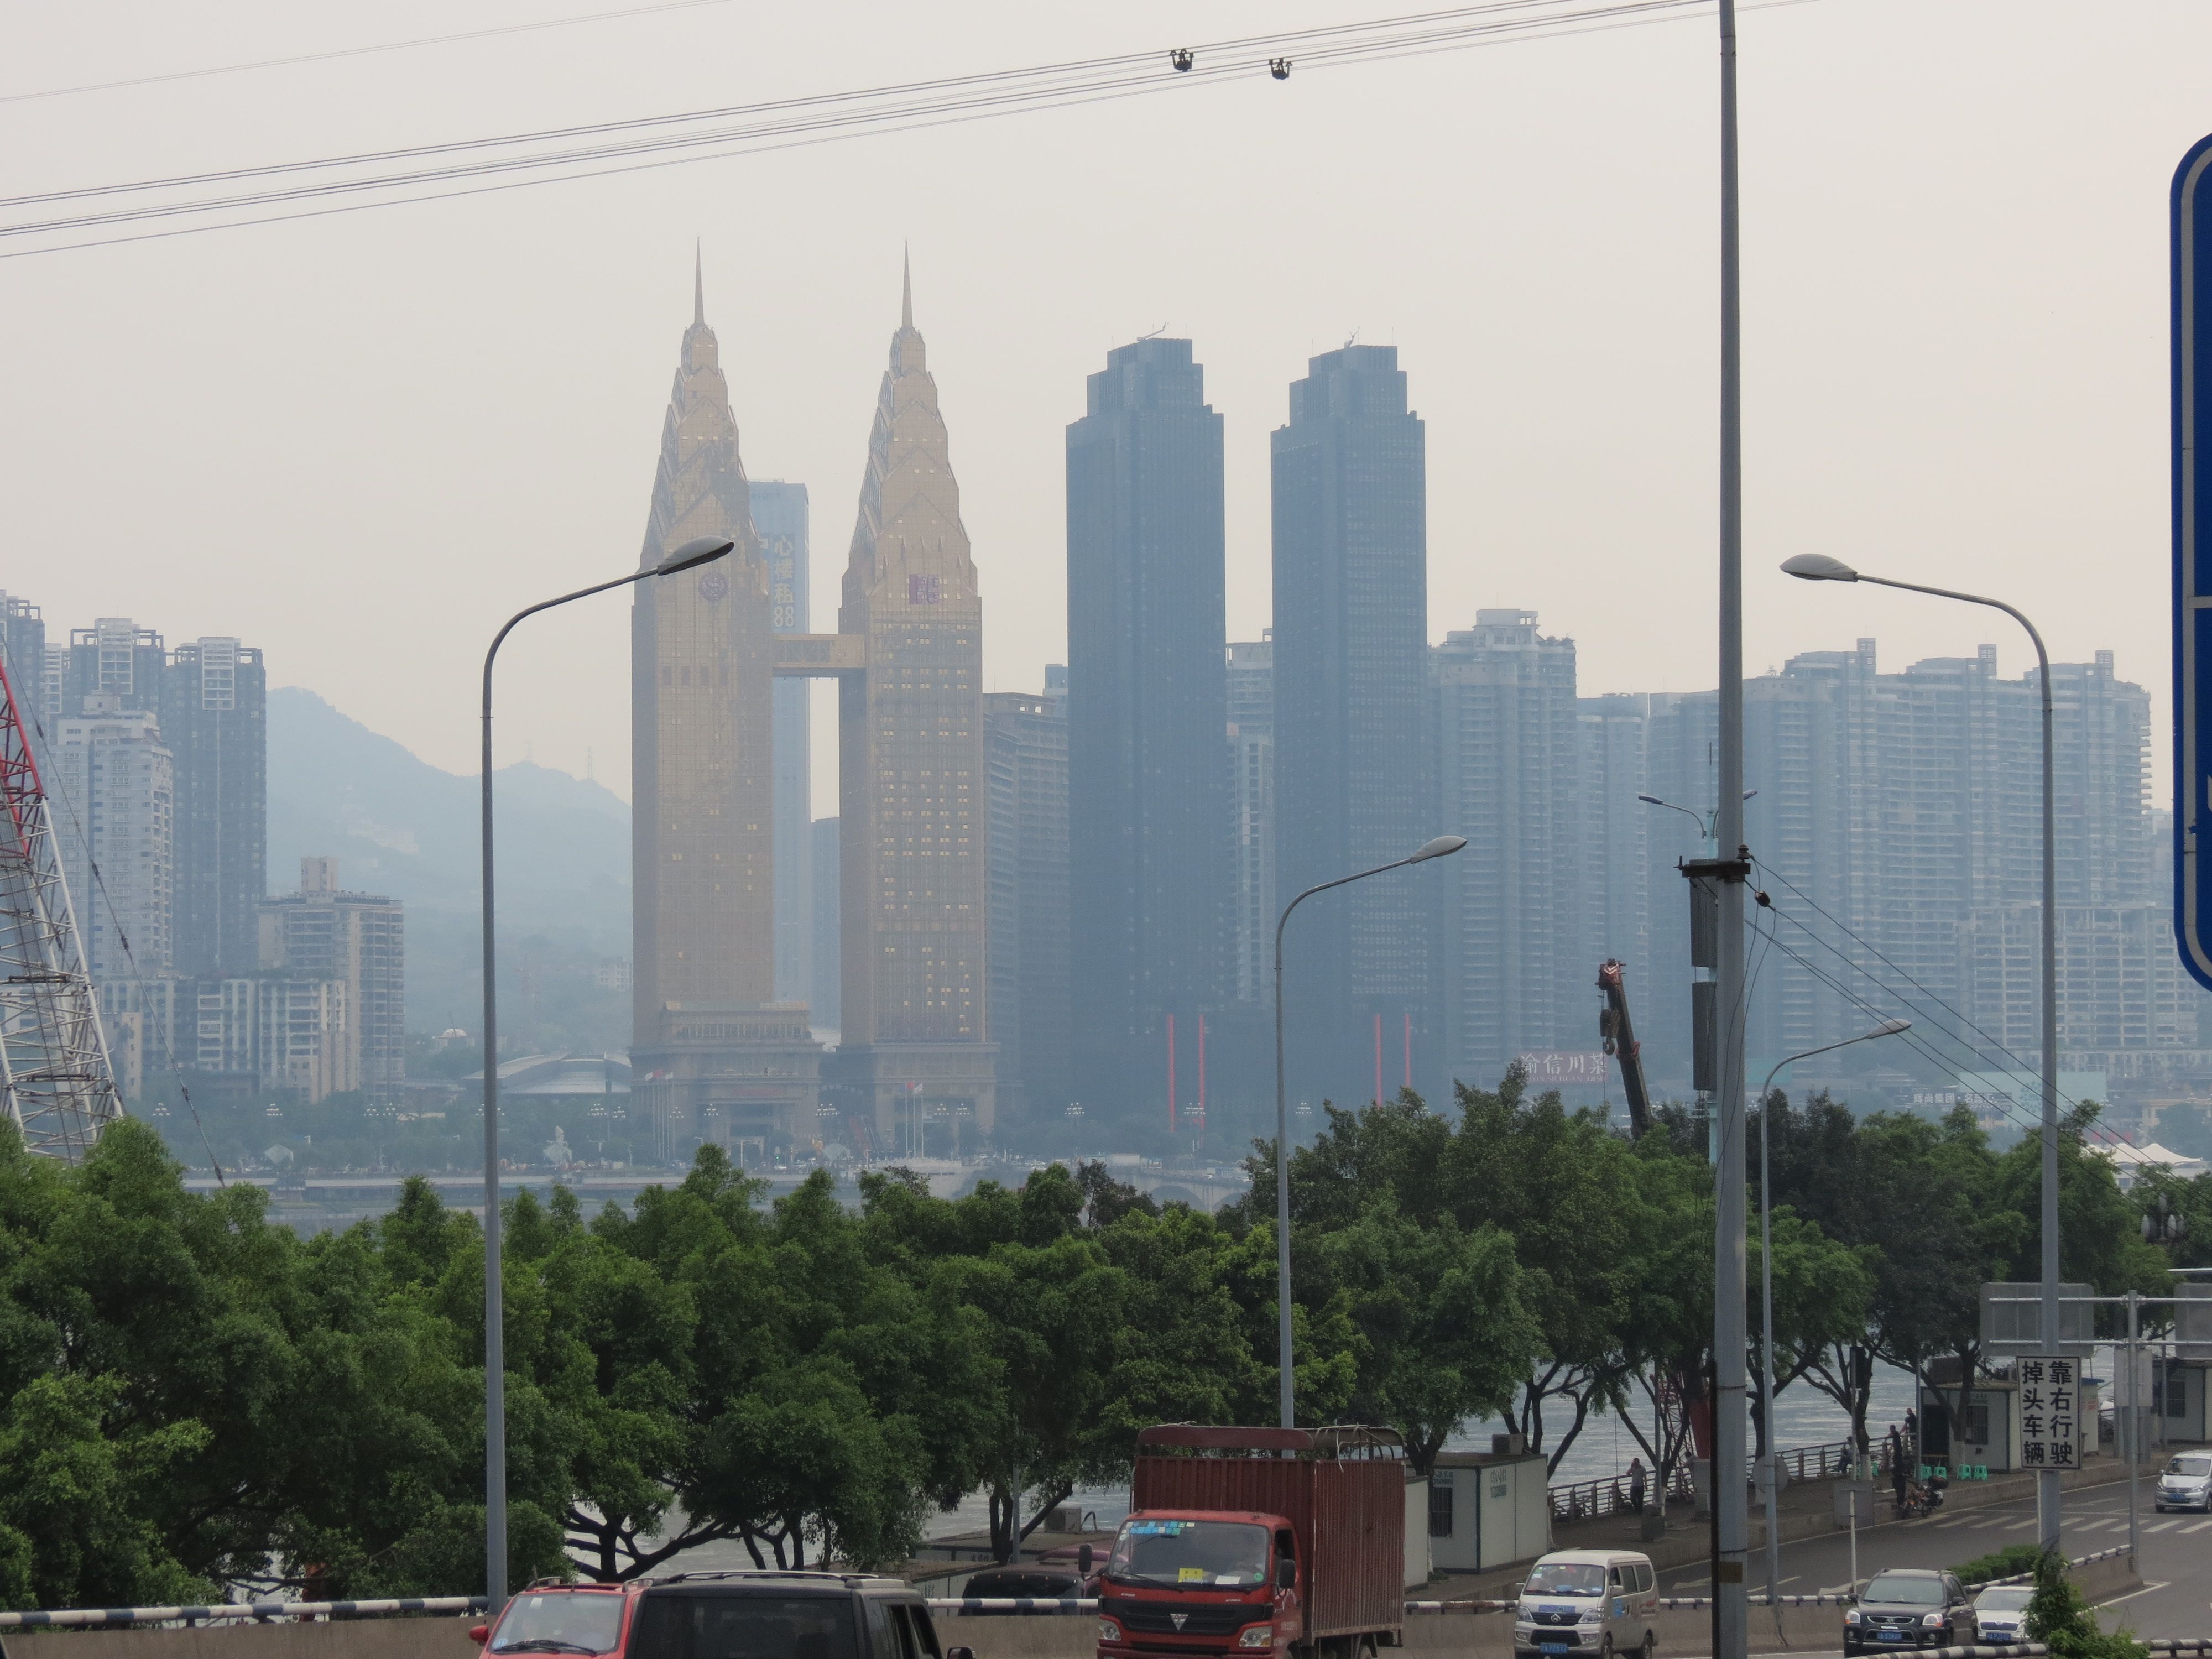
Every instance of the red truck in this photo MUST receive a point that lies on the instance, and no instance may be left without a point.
(1289, 1542)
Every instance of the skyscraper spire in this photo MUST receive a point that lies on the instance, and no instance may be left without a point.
(698, 286)
(905, 296)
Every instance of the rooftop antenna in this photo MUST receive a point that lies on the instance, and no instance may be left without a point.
(1352, 339)
(1155, 334)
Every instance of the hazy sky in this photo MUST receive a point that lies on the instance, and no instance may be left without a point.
(360, 441)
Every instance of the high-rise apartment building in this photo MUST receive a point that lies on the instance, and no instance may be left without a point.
(233, 1038)
(781, 520)
(1354, 784)
(112, 783)
(118, 658)
(912, 809)
(1251, 686)
(357, 941)
(1513, 902)
(214, 719)
(715, 1054)
(1025, 759)
(23, 649)
(1148, 810)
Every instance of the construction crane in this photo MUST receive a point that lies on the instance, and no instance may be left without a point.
(1619, 1037)
(56, 1084)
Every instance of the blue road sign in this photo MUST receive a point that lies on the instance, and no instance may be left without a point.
(2192, 561)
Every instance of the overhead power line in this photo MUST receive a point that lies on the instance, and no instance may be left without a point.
(515, 161)
(355, 52)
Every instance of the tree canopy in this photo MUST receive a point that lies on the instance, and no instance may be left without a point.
(195, 1400)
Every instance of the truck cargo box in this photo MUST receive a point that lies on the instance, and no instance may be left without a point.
(1343, 1490)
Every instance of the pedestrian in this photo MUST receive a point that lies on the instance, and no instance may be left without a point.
(1896, 1448)
(1896, 1468)
(1912, 1432)
(1636, 1485)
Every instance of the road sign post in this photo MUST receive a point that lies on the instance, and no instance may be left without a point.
(2192, 232)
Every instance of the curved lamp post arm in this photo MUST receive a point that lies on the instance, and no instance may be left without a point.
(1822, 568)
(704, 551)
(1441, 847)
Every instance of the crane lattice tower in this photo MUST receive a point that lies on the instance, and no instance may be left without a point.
(56, 1083)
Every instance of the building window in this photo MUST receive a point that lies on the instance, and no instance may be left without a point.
(1440, 1504)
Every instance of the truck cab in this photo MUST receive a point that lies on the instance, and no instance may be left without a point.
(1200, 1581)
(1255, 1541)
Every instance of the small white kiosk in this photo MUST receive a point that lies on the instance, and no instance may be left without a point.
(1487, 1509)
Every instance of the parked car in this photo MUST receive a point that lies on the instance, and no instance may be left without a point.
(2000, 1611)
(1603, 1602)
(709, 1616)
(2185, 1483)
(1042, 1579)
(1910, 1608)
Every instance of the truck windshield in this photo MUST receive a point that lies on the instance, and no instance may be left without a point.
(560, 1621)
(696, 1624)
(1190, 1552)
(1565, 1579)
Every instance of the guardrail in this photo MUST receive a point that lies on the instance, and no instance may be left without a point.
(1590, 1500)
(266, 1612)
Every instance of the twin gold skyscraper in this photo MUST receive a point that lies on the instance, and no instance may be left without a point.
(716, 1057)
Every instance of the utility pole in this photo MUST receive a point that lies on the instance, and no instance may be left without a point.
(1731, 1506)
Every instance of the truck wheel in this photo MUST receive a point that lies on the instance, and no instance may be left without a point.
(1650, 1642)
(1604, 1646)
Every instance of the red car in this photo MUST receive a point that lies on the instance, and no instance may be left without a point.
(722, 1615)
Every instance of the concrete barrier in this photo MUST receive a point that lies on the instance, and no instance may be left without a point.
(364, 1638)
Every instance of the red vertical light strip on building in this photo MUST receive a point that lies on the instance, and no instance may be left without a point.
(1378, 1060)
(1409, 1050)
(1171, 1080)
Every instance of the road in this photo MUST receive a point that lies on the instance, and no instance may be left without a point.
(2176, 1559)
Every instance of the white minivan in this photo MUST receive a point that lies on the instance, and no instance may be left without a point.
(1602, 1601)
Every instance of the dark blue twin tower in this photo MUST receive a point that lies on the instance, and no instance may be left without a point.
(1159, 1024)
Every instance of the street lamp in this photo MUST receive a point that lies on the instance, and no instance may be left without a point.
(1441, 847)
(1887, 1027)
(704, 550)
(1706, 822)
(1820, 567)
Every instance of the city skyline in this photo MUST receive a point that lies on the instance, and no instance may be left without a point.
(502, 366)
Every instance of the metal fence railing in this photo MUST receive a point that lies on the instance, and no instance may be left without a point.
(1590, 1500)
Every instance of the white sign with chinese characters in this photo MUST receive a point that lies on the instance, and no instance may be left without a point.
(2050, 1410)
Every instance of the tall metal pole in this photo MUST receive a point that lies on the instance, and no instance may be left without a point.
(1731, 1505)
(686, 557)
(2048, 1490)
(495, 1300)
(1290, 1419)
(2135, 1427)
(1442, 846)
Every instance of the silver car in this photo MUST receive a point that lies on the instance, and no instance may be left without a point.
(2185, 1483)
(2000, 1614)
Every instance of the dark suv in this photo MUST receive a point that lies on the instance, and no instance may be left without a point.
(722, 1615)
(1909, 1607)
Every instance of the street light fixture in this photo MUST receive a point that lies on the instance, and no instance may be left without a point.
(1820, 567)
(1706, 822)
(1887, 1027)
(1440, 846)
(704, 551)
